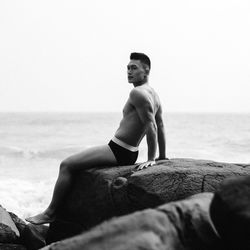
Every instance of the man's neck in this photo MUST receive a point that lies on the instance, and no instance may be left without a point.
(136, 84)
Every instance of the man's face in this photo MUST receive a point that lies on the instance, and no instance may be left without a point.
(136, 72)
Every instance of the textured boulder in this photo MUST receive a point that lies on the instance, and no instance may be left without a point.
(8, 230)
(20, 224)
(181, 225)
(16, 234)
(99, 194)
(230, 212)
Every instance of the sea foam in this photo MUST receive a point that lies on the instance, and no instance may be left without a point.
(25, 198)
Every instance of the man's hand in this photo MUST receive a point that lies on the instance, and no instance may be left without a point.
(145, 165)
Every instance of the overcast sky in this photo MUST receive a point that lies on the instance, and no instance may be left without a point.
(71, 55)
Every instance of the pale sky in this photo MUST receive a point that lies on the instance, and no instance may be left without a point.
(71, 55)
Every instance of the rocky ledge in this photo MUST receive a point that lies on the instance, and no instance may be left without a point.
(163, 207)
(100, 194)
(206, 221)
(180, 225)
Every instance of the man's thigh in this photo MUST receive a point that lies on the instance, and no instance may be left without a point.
(92, 157)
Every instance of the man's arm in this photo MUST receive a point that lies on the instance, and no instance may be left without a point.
(161, 134)
(151, 135)
(144, 108)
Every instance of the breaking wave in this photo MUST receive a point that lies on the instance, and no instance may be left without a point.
(54, 153)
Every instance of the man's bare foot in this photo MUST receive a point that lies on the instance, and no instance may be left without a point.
(40, 219)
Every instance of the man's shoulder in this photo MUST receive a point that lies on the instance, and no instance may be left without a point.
(139, 94)
(143, 90)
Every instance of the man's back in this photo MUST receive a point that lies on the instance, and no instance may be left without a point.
(142, 104)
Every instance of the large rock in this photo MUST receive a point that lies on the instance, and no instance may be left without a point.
(181, 225)
(20, 224)
(99, 194)
(230, 212)
(28, 236)
(8, 230)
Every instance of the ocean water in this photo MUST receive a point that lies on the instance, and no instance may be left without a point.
(32, 146)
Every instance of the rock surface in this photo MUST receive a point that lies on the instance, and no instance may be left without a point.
(16, 234)
(99, 194)
(230, 212)
(8, 230)
(20, 224)
(181, 225)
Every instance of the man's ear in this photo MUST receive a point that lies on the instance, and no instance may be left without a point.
(147, 70)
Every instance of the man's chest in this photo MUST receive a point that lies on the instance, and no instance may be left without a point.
(128, 108)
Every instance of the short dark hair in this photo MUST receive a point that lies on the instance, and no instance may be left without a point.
(142, 57)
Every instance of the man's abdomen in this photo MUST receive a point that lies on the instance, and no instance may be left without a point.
(130, 131)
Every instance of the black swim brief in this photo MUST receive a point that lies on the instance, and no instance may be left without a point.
(123, 155)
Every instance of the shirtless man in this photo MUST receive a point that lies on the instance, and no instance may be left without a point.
(142, 115)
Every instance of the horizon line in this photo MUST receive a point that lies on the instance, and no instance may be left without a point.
(106, 111)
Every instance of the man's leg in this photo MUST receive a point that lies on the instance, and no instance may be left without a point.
(92, 157)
